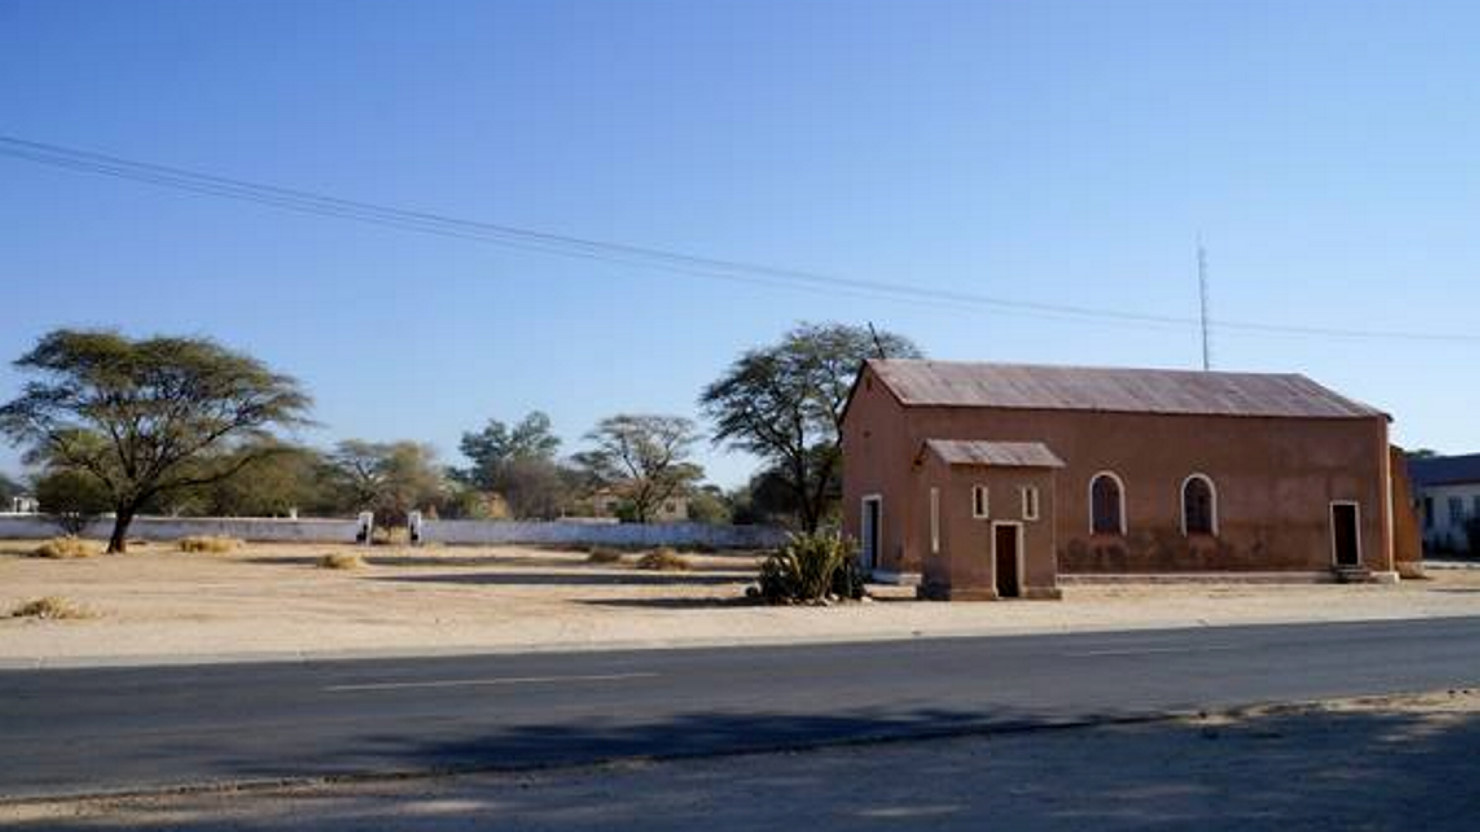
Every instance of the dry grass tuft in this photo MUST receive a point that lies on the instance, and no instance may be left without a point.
(209, 544)
(51, 608)
(390, 537)
(62, 548)
(1411, 570)
(603, 554)
(664, 559)
(341, 560)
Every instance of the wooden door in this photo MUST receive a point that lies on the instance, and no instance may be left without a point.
(1006, 546)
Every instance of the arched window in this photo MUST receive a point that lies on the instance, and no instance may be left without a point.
(1199, 506)
(1106, 504)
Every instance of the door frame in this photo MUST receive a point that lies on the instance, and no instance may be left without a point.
(1356, 530)
(870, 544)
(1018, 545)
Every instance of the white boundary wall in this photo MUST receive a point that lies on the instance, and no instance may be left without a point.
(488, 532)
(266, 529)
(604, 534)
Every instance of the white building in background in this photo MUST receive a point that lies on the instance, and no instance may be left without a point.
(24, 504)
(1447, 489)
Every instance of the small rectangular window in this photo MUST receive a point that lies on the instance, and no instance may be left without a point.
(979, 504)
(1456, 511)
(1030, 502)
(1428, 512)
(934, 521)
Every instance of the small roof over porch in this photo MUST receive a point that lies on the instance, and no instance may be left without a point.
(982, 452)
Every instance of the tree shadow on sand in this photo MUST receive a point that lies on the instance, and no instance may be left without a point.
(574, 578)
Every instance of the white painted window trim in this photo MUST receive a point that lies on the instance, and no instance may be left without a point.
(1182, 499)
(1022, 564)
(1331, 525)
(934, 521)
(1091, 494)
(981, 509)
(1030, 497)
(878, 529)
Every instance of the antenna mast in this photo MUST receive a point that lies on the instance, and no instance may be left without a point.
(878, 342)
(1202, 291)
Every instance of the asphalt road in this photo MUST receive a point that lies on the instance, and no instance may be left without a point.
(96, 730)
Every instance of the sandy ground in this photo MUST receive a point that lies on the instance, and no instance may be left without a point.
(270, 601)
(1389, 763)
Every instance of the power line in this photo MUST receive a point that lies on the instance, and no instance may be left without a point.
(524, 239)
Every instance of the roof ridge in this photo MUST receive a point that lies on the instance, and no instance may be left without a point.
(928, 382)
(1109, 368)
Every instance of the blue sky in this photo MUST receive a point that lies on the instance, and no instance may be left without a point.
(1327, 152)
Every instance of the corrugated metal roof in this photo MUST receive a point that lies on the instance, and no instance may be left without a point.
(1002, 454)
(1444, 470)
(1040, 387)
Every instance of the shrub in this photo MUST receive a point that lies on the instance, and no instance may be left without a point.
(341, 560)
(603, 554)
(213, 544)
(811, 568)
(663, 559)
(61, 548)
(51, 608)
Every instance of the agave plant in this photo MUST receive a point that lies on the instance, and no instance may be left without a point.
(809, 568)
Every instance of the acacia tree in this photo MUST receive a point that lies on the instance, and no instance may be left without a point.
(146, 417)
(518, 464)
(644, 458)
(785, 403)
(389, 478)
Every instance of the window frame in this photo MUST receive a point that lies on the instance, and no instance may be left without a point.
(1030, 498)
(1120, 486)
(1212, 504)
(981, 502)
(934, 520)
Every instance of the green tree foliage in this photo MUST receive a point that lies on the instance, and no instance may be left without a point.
(278, 480)
(784, 403)
(710, 504)
(518, 464)
(644, 459)
(72, 499)
(391, 479)
(9, 489)
(491, 448)
(460, 501)
(144, 416)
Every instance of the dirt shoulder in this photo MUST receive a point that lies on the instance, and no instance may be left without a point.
(1398, 762)
(272, 601)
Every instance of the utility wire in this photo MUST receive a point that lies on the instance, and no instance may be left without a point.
(524, 239)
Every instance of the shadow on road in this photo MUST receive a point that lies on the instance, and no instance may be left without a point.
(1327, 770)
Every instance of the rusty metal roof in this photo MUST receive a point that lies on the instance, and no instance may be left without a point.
(1041, 387)
(1000, 454)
